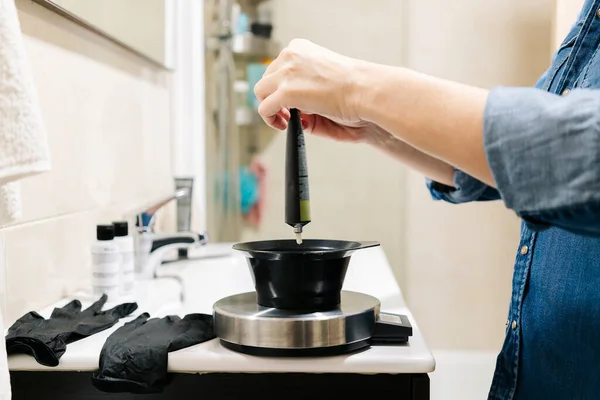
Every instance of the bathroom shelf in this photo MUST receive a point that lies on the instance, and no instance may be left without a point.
(251, 45)
(249, 5)
(245, 116)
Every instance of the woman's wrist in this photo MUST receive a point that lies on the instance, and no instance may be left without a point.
(433, 168)
(360, 91)
(378, 137)
(369, 81)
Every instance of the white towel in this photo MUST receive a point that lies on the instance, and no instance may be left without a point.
(10, 202)
(23, 143)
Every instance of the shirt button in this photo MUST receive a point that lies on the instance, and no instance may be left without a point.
(524, 250)
(598, 13)
(514, 325)
(566, 92)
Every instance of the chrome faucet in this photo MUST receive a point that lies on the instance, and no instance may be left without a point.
(151, 248)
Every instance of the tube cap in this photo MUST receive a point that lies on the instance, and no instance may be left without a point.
(121, 228)
(105, 232)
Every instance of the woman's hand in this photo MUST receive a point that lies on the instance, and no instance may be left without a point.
(384, 141)
(332, 128)
(318, 82)
(431, 124)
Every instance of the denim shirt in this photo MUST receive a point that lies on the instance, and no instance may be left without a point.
(543, 148)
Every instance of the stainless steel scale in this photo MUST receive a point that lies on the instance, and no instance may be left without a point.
(244, 326)
(299, 307)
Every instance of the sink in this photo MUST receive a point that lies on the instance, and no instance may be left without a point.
(210, 273)
(211, 250)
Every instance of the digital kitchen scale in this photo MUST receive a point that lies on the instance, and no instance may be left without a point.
(244, 326)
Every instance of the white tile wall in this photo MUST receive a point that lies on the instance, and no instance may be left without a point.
(565, 15)
(460, 258)
(47, 259)
(107, 116)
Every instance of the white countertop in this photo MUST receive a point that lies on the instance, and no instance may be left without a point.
(210, 279)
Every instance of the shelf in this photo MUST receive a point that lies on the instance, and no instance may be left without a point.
(251, 45)
(248, 6)
(245, 116)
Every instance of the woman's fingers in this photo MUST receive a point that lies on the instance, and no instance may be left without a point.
(266, 91)
(285, 113)
(276, 121)
(269, 90)
(279, 122)
(274, 66)
(270, 107)
(308, 121)
(266, 86)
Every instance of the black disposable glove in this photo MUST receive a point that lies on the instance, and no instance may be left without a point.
(47, 339)
(135, 356)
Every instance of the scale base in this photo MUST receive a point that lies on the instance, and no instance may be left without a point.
(244, 326)
(308, 352)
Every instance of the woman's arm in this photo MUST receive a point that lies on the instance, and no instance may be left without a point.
(540, 150)
(330, 87)
(433, 168)
(440, 118)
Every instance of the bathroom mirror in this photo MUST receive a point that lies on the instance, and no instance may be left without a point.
(141, 26)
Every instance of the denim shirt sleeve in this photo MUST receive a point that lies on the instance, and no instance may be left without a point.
(465, 189)
(544, 153)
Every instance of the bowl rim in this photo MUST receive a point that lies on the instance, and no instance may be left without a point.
(255, 249)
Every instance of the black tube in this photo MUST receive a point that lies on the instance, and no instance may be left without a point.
(297, 199)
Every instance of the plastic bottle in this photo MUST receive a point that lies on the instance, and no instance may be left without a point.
(106, 263)
(126, 247)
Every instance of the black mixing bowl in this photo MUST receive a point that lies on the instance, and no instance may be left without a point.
(300, 277)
